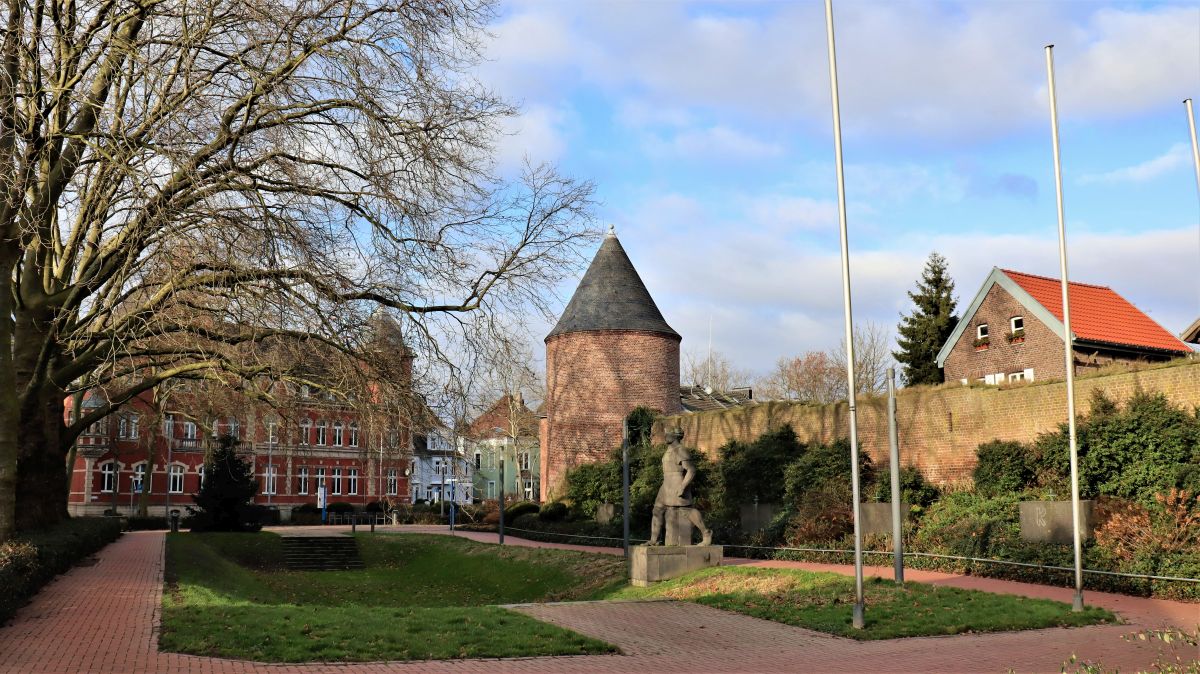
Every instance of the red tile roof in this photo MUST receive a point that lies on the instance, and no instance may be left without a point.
(1099, 314)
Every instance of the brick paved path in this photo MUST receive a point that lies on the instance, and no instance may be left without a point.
(103, 619)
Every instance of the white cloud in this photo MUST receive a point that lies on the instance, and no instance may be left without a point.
(537, 134)
(1177, 156)
(716, 143)
(906, 69)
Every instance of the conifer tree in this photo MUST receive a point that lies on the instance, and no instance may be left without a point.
(223, 502)
(923, 332)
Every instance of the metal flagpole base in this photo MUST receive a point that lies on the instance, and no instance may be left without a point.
(858, 616)
(1077, 605)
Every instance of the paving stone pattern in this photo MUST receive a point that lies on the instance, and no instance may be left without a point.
(104, 619)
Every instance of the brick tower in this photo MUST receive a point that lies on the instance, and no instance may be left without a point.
(610, 352)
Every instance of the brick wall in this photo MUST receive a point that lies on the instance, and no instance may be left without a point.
(593, 380)
(1041, 350)
(939, 427)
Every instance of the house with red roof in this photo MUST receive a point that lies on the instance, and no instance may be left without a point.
(1012, 331)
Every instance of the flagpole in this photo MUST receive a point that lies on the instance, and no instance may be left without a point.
(1068, 337)
(1187, 102)
(850, 396)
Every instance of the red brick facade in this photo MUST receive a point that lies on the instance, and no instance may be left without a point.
(1040, 350)
(593, 380)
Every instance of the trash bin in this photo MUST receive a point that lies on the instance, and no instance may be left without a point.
(174, 520)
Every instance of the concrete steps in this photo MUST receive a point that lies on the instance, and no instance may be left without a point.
(321, 553)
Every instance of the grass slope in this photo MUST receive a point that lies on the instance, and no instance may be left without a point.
(824, 602)
(420, 597)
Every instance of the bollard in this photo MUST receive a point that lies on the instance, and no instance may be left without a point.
(373, 518)
(354, 523)
(174, 521)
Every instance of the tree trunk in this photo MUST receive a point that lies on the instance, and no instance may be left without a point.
(41, 491)
(9, 412)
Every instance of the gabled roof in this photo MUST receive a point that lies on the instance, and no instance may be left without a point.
(1098, 314)
(611, 296)
(1192, 334)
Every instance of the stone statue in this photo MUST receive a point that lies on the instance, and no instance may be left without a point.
(675, 495)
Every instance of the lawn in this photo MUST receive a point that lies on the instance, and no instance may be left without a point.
(420, 597)
(824, 602)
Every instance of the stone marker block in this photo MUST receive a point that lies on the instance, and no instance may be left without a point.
(1050, 521)
(605, 512)
(757, 516)
(877, 517)
(654, 563)
(679, 528)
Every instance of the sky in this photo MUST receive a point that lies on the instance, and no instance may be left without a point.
(707, 129)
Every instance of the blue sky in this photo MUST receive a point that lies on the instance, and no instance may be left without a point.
(706, 128)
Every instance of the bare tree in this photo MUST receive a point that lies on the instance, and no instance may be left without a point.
(714, 371)
(182, 180)
(813, 377)
(872, 358)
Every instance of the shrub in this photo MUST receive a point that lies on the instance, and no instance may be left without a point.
(146, 523)
(822, 515)
(579, 532)
(1004, 467)
(970, 524)
(752, 471)
(914, 490)
(553, 512)
(519, 508)
(375, 507)
(340, 507)
(310, 508)
(31, 560)
(822, 465)
(590, 485)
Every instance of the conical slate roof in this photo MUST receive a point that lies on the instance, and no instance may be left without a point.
(611, 296)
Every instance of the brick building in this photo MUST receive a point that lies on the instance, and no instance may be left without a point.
(507, 430)
(307, 437)
(1012, 331)
(611, 351)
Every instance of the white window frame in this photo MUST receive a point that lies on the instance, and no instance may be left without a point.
(337, 482)
(175, 475)
(169, 426)
(322, 432)
(139, 477)
(1012, 323)
(200, 472)
(981, 331)
(306, 431)
(190, 431)
(122, 427)
(523, 460)
(234, 428)
(353, 435)
(134, 420)
(337, 434)
(270, 478)
(272, 432)
(1016, 376)
(491, 489)
(302, 481)
(393, 483)
(108, 477)
(352, 481)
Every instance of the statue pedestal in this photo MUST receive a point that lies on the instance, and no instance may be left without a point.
(654, 563)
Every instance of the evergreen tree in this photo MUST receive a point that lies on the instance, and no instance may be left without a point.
(923, 332)
(224, 500)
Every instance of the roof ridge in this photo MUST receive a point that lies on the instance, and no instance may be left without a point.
(1056, 280)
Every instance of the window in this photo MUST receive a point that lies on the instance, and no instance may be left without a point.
(428, 493)
(235, 428)
(302, 481)
(337, 434)
(200, 472)
(175, 483)
(108, 476)
(439, 468)
(169, 426)
(337, 480)
(272, 432)
(1016, 323)
(528, 490)
(270, 472)
(139, 475)
(353, 435)
(523, 460)
(392, 483)
(305, 431)
(981, 331)
(123, 428)
(305, 391)
(189, 430)
(133, 427)
(491, 489)
(478, 460)
(320, 478)
(1016, 376)
(322, 427)
(352, 481)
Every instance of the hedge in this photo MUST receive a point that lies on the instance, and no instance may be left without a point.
(31, 560)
